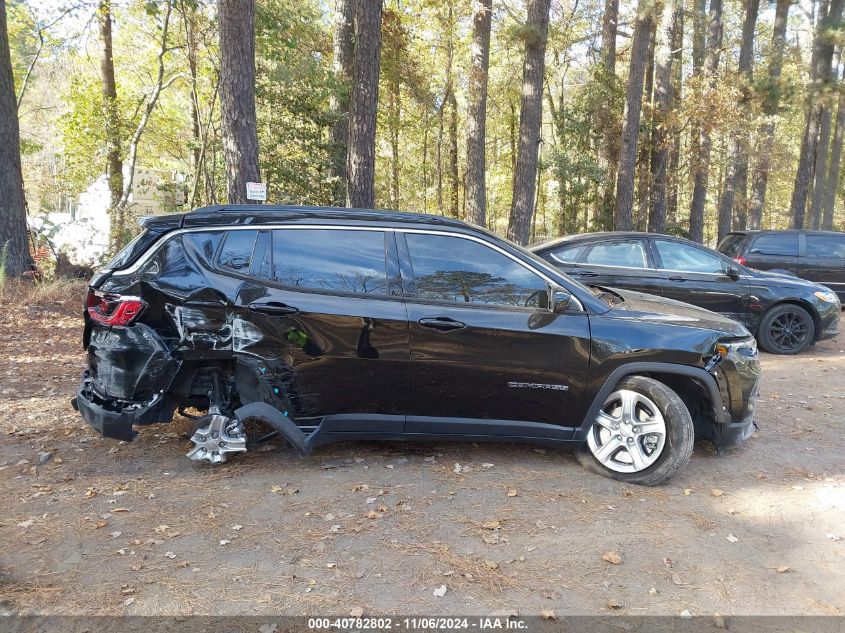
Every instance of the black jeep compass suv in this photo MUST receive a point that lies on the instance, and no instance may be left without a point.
(322, 325)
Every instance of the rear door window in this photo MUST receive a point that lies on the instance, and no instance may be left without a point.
(821, 245)
(236, 254)
(627, 254)
(783, 244)
(685, 258)
(731, 244)
(332, 260)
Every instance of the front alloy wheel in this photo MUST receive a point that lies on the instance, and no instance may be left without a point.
(643, 434)
(629, 433)
(786, 329)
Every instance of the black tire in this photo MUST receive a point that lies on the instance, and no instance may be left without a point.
(786, 329)
(680, 436)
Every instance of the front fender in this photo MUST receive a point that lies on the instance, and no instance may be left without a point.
(630, 369)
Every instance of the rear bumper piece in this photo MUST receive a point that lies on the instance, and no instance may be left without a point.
(109, 420)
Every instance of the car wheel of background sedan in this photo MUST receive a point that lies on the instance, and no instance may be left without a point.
(786, 329)
(643, 434)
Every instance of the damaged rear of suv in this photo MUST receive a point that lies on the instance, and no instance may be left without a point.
(322, 325)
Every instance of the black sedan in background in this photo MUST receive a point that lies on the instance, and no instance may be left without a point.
(786, 314)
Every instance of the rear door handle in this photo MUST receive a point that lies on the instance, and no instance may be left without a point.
(276, 308)
(677, 278)
(584, 273)
(444, 324)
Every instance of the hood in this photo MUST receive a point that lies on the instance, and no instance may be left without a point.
(644, 307)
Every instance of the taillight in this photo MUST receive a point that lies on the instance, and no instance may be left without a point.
(113, 309)
(740, 260)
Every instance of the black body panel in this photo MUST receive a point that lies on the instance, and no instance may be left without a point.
(745, 296)
(818, 256)
(236, 309)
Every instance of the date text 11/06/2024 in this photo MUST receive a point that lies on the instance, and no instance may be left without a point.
(483, 623)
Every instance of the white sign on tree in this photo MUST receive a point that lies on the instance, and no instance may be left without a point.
(256, 191)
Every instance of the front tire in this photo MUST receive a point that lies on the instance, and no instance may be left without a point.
(643, 434)
(786, 329)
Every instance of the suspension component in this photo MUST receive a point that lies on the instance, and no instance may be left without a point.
(217, 435)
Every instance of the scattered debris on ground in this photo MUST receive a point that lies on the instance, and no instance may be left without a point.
(95, 526)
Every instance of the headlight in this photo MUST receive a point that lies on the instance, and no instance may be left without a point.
(739, 351)
(827, 295)
(746, 348)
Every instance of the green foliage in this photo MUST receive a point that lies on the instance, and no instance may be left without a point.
(62, 129)
(293, 88)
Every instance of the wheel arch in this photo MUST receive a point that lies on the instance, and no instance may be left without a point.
(690, 383)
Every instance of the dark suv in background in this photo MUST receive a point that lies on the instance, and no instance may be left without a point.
(324, 325)
(813, 255)
(786, 314)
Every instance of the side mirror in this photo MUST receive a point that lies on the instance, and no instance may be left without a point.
(560, 300)
(732, 272)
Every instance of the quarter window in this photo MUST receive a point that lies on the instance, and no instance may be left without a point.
(819, 245)
(464, 271)
(785, 244)
(236, 254)
(682, 257)
(331, 260)
(630, 254)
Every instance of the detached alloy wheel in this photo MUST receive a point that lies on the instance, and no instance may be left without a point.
(643, 434)
(786, 329)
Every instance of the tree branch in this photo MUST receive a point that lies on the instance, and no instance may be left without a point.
(159, 86)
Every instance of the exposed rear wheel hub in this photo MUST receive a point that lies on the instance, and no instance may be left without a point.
(216, 437)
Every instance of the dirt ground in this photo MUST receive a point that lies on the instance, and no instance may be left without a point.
(94, 526)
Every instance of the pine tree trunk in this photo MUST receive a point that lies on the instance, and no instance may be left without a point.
(831, 182)
(661, 137)
(13, 231)
(702, 168)
(189, 16)
(454, 182)
(441, 110)
(645, 142)
(734, 195)
(237, 96)
(363, 104)
(823, 54)
(530, 119)
(677, 88)
(771, 106)
(111, 121)
(476, 188)
(606, 117)
(631, 120)
(820, 166)
(343, 44)
(394, 124)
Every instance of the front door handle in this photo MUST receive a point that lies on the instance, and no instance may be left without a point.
(275, 308)
(444, 324)
(676, 278)
(584, 273)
